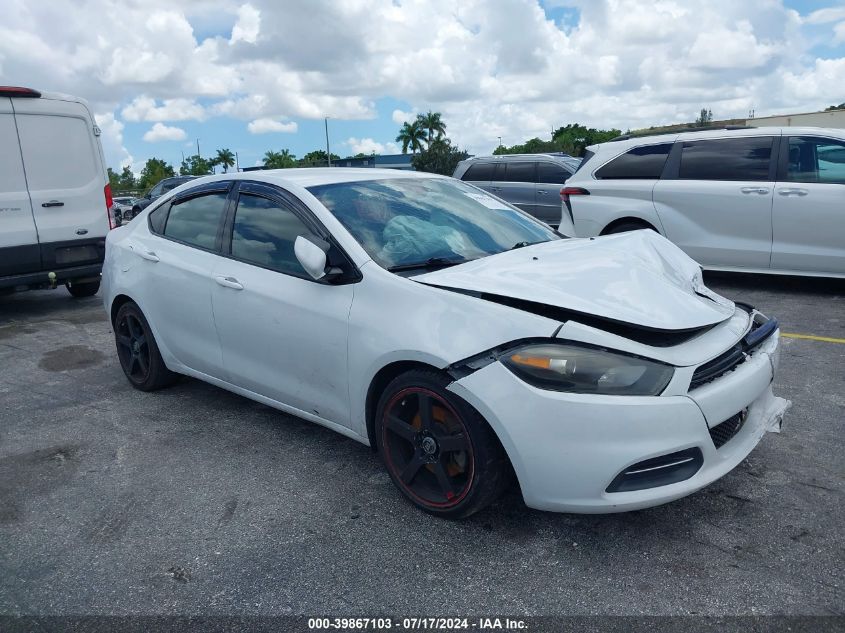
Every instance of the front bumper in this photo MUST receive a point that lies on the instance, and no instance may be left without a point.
(567, 448)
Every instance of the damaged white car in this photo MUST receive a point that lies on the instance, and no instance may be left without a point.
(463, 339)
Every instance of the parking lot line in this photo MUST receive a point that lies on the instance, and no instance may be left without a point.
(812, 337)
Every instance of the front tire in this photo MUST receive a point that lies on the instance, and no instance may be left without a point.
(138, 352)
(438, 450)
(84, 289)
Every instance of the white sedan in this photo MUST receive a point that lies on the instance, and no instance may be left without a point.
(463, 339)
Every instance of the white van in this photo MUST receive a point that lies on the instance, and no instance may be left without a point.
(54, 193)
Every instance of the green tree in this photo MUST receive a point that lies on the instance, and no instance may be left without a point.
(411, 135)
(571, 139)
(114, 179)
(841, 106)
(196, 165)
(317, 158)
(433, 123)
(127, 180)
(226, 158)
(279, 160)
(154, 170)
(705, 117)
(440, 157)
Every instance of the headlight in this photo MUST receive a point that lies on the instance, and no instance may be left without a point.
(577, 369)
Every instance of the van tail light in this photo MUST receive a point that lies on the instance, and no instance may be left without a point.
(109, 203)
(567, 192)
(17, 91)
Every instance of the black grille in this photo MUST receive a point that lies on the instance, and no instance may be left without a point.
(727, 361)
(723, 432)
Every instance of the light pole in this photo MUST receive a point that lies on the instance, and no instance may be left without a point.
(328, 151)
(198, 147)
(500, 140)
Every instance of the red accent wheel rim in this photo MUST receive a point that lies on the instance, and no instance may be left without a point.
(427, 448)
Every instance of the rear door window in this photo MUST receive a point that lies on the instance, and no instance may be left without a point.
(196, 221)
(479, 172)
(743, 158)
(551, 173)
(520, 172)
(264, 233)
(639, 163)
(816, 159)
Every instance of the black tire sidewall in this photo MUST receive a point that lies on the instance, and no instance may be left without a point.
(158, 375)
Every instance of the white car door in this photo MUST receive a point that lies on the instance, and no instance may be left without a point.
(66, 178)
(717, 206)
(284, 335)
(19, 251)
(179, 251)
(808, 215)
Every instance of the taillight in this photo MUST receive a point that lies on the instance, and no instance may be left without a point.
(109, 202)
(572, 191)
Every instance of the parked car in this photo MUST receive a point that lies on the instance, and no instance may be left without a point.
(158, 190)
(765, 200)
(122, 209)
(462, 338)
(531, 182)
(54, 193)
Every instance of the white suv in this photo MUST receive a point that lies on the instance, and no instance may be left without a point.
(766, 200)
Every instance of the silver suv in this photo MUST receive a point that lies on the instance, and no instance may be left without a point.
(769, 200)
(531, 182)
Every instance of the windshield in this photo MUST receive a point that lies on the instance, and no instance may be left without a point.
(406, 222)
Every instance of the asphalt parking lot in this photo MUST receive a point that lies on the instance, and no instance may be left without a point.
(196, 501)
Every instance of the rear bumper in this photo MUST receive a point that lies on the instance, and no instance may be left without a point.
(41, 278)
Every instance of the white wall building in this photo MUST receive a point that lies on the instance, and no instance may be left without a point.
(830, 118)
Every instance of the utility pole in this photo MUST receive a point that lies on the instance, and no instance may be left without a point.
(328, 151)
(237, 164)
(198, 147)
(500, 140)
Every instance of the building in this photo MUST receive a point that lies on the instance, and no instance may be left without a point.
(383, 161)
(828, 118)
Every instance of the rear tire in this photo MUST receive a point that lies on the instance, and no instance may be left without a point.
(438, 450)
(84, 289)
(625, 227)
(138, 352)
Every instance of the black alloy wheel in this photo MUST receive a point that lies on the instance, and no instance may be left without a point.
(438, 450)
(138, 352)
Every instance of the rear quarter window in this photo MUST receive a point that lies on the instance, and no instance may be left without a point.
(743, 158)
(643, 163)
(479, 172)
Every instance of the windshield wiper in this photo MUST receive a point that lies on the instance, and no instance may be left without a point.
(521, 245)
(432, 262)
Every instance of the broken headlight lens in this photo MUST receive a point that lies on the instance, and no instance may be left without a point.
(577, 369)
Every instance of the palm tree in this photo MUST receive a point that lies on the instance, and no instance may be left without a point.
(432, 122)
(279, 160)
(411, 134)
(226, 158)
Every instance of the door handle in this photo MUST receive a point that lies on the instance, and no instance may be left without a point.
(228, 282)
(542, 191)
(495, 188)
(793, 192)
(143, 253)
(760, 190)
(53, 203)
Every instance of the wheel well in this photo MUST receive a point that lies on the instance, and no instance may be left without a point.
(379, 384)
(621, 221)
(118, 302)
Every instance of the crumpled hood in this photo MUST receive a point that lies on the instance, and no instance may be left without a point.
(639, 278)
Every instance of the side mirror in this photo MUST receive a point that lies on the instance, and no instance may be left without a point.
(310, 252)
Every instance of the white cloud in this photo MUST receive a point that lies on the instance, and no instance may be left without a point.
(368, 146)
(267, 125)
(247, 27)
(161, 132)
(399, 117)
(144, 108)
(111, 137)
(839, 33)
(824, 16)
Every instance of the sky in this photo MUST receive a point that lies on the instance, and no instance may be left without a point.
(261, 75)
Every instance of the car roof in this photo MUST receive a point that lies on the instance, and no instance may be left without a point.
(718, 132)
(554, 157)
(315, 176)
